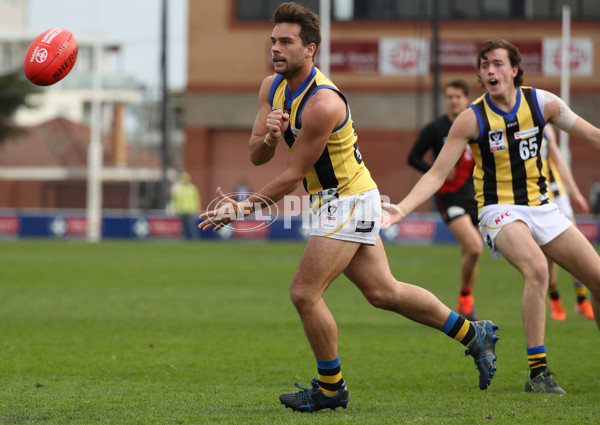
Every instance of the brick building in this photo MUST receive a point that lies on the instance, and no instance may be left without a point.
(376, 60)
(45, 166)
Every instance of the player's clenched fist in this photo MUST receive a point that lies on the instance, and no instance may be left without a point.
(277, 123)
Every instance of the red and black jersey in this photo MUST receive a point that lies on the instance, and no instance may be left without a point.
(432, 137)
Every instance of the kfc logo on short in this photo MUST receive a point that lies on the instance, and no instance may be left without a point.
(499, 219)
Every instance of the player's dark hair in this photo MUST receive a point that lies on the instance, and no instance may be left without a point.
(513, 55)
(310, 24)
(458, 84)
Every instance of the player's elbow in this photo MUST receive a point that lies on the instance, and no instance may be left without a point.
(294, 180)
(258, 158)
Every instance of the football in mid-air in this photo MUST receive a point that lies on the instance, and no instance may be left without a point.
(50, 56)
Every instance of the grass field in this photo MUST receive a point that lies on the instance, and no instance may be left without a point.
(204, 333)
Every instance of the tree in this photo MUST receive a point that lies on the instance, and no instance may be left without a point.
(14, 89)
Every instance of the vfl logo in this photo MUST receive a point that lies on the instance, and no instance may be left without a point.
(496, 140)
(41, 56)
(331, 210)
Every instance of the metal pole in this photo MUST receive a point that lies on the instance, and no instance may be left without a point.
(435, 59)
(164, 109)
(94, 170)
(565, 77)
(325, 50)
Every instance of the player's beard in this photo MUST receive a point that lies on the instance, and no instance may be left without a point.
(292, 69)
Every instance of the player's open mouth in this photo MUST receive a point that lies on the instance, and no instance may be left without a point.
(275, 61)
(493, 82)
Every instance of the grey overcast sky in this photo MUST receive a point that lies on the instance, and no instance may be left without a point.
(134, 24)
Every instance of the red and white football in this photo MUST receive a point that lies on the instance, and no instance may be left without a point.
(50, 56)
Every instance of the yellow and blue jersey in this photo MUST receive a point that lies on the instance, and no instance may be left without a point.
(508, 162)
(556, 186)
(340, 165)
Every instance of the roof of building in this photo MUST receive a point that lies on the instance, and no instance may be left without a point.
(64, 143)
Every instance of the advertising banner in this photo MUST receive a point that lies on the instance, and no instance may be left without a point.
(581, 57)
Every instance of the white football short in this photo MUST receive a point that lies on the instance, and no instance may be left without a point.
(354, 218)
(545, 222)
(563, 202)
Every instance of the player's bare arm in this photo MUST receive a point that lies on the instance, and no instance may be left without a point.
(557, 112)
(268, 127)
(577, 199)
(464, 128)
(322, 113)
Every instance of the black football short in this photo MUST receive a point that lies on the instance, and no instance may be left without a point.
(457, 204)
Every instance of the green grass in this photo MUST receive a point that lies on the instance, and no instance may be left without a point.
(204, 333)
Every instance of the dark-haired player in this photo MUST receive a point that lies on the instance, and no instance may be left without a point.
(301, 109)
(504, 128)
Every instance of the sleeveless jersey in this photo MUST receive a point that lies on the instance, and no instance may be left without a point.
(507, 152)
(340, 167)
(556, 187)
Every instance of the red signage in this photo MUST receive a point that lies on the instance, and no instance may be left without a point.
(250, 229)
(76, 226)
(357, 57)
(165, 227)
(9, 226)
(589, 230)
(454, 56)
(461, 55)
(457, 56)
(417, 230)
(531, 53)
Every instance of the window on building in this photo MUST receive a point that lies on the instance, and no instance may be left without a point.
(379, 10)
(496, 9)
(558, 6)
(262, 10)
(591, 9)
(537, 9)
(343, 10)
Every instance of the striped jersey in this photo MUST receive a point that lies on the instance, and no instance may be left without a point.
(340, 167)
(507, 152)
(556, 187)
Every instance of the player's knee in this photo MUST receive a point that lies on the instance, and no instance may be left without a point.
(537, 274)
(299, 296)
(378, 298)
(473, 252)
(296, 296)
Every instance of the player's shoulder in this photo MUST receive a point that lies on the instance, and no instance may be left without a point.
(268, 82)
(466, 124)
(265, 87)
(325, 102)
